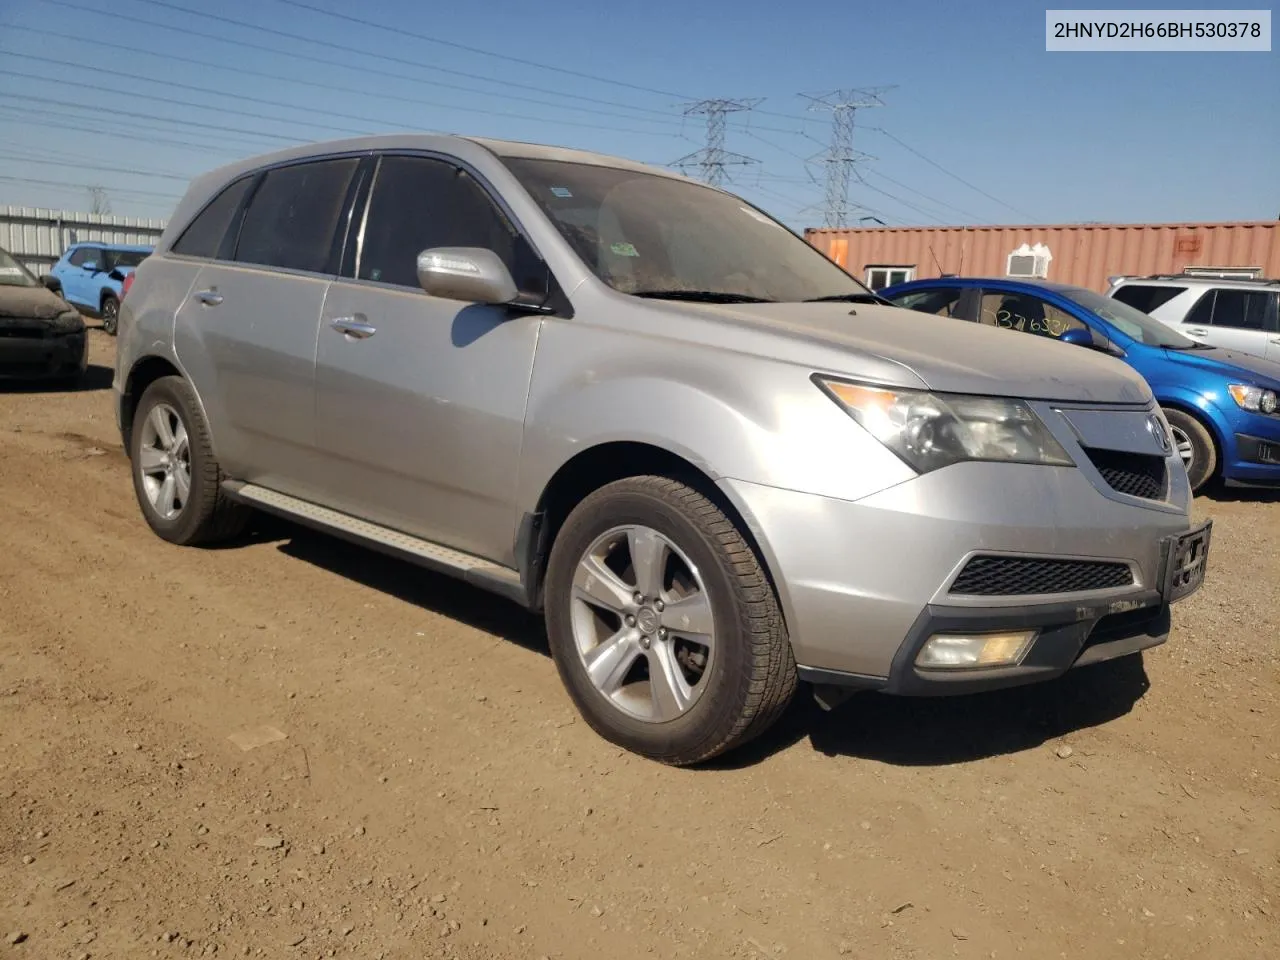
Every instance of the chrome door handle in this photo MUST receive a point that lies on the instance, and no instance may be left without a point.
(210, 298)
(1197, 331)
(357, 326)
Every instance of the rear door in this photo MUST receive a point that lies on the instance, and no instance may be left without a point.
(1237, 319)
(247, 330)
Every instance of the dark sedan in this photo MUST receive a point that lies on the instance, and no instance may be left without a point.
(41, 335)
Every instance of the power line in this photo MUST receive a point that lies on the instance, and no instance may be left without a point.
(712, 160)
(348, 49)
(328, 63)
(871, 171)
(97, 168)
(840, 157)
(39, 118)
(327, 112)
(506, 58)
(85, 186)
(934, 163)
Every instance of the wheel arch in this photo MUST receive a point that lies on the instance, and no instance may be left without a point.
(1209, 419)
(104, 294)
(145, 371)
(601, 464)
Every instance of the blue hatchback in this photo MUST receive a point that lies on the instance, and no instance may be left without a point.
(1221, 405)
(92, 277)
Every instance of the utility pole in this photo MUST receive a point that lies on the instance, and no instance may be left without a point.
(840, 157)
(99, 202)
(712, 159)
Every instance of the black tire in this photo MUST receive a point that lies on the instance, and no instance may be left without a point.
(208, 516)
(110, 313)
(752, 676)
(1204, 453)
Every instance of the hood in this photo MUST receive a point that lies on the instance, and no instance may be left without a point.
(31, 303)
(912, 349)
(1231, 363)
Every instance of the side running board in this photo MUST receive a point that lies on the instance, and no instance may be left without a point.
(476, 570)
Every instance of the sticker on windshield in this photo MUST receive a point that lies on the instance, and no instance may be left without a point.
(624, 249)
(757, 215)
(562, 192)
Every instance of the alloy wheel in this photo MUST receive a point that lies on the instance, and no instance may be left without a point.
(642, 623)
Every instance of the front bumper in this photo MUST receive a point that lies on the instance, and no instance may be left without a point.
(1257, 461)
(864, 584)
(51, 355)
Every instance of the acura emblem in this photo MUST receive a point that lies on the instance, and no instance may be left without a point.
(1156, 426)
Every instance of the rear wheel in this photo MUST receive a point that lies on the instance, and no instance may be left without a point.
(175, 476)
(1195, 446)
(662, 624)
(110, 314)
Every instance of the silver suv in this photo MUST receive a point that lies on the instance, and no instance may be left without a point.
(1241, 315)
(718, 463)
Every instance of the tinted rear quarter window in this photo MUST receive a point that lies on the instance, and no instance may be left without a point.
(1241, 309)
(1146, 297)
(292, 219)
(419, 203)
(204, 235)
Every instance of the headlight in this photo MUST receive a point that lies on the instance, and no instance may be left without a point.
(1253, 398)
(932, 430)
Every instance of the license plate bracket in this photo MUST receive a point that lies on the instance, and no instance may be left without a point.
(1186, 557)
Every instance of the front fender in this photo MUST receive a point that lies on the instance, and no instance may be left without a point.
(733, 415)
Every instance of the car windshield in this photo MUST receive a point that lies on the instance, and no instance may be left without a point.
(655, 236)
(1130, 321)
(122, 258)
(14, 274)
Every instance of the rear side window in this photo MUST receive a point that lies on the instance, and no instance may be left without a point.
(1146, 297)
(292, 219)
(1241, 309)
(419, 203)
(204, 236)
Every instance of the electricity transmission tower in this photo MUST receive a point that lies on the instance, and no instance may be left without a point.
(840, 157)
(711, 160)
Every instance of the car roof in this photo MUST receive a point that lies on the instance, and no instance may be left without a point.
(445, 143)
(1030, 283)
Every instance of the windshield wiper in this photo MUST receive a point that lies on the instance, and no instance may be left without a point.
(850, 298)
(701, 296)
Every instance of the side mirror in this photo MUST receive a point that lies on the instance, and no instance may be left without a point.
(473, 274)
(51, 283)
(1080, 336)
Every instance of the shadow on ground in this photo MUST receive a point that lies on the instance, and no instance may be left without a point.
(936, 731)
(436, 592)
(904, 731)
(96, 377)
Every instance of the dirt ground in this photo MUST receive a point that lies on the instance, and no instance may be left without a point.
(434, 795)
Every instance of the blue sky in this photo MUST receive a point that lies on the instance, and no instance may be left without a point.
(982, 125)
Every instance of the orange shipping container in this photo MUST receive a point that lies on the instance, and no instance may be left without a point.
(1084, 254)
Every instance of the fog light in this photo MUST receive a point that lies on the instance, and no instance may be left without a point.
(956, 651)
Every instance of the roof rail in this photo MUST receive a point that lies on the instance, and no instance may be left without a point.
(1264, 281)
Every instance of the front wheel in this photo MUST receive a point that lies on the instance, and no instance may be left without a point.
(663, 625)
(1195, 446)
(110, 315)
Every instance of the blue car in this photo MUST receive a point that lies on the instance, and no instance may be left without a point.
(1221, 405)
(92, 277)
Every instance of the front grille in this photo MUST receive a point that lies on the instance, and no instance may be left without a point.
(1137, 474)
(991, 576)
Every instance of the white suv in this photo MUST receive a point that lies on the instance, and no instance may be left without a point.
(1241, 315)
